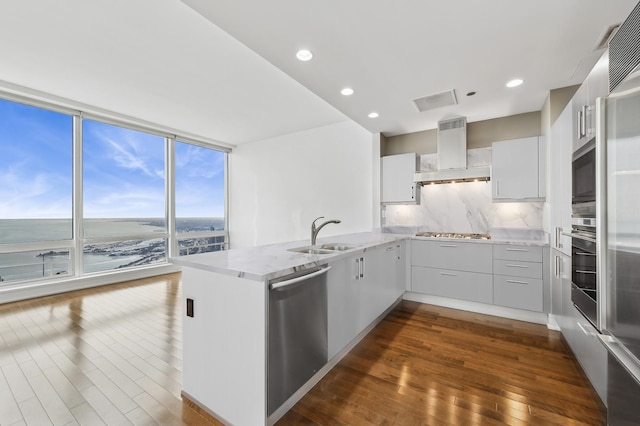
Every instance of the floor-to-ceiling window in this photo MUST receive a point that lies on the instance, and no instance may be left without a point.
(200, 198)
(35, 192)
(124, 207)
(137, 196)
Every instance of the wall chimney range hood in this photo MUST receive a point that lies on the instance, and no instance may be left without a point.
(452, 157)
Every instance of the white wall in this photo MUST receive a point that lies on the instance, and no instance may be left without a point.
(278, 186)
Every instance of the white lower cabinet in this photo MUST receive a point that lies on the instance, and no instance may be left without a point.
(359, 289)
(561, 264)
(460, 270)
(454, 255)
(518, 277)
(518, 292)
(471, 286)
(588, 350)
(583, 340)
(492, 273)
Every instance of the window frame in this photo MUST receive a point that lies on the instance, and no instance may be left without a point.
(76, 244)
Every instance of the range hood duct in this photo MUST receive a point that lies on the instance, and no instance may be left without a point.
(452, 156)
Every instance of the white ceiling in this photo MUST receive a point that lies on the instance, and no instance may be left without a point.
(156, 60)
(160, 61)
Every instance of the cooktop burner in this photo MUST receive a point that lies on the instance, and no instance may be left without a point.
(454, 235)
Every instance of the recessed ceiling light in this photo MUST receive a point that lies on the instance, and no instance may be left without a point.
(374, 115)
(515, 83)
(347, 91)
(304, 55)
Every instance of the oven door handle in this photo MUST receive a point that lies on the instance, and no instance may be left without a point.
(579, 237)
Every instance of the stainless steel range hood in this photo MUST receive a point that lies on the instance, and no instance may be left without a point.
(452, 156)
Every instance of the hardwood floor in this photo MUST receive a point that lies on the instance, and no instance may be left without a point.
(429, 365)
(113, 355)
(108, 355)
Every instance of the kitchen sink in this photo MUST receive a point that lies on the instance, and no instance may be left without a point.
(336, 247)
(328, 248)
(313, 250)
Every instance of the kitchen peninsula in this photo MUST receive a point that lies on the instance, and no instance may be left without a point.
(226, 327)
(230, 326)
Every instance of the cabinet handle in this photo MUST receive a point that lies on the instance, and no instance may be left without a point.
(557, 266)
(580, 271)
(582, 122)
(448, 245)
(558, 237)
(516, 266)
(517, 249)
(449, 274)
(560, 267)
(362, 267)
(292, 281)
(579, 121)
(413, 192)
(517, 282)
(358, 270)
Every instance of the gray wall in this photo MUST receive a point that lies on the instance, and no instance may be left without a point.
(480, 134)
(558, 100)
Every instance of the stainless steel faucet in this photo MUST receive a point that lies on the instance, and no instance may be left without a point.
(314, 230)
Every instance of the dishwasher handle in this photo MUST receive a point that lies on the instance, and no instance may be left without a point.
(298, 279)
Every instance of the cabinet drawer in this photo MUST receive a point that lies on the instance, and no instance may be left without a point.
(476, 287)
(588, 350)
(517, 268)
(518, 292)
(470, 257)
(513, 252)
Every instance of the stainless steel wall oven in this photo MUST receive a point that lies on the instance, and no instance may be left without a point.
(584, 273)
(583, 174)
(584, 248)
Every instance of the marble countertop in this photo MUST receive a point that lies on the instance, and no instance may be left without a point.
(276, 260)
(273, 261)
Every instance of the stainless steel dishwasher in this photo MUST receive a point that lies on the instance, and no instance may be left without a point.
(297, 332)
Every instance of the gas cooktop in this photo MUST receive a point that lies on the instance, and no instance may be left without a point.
(460, 235)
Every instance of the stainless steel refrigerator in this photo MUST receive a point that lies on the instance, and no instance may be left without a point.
(619, 123)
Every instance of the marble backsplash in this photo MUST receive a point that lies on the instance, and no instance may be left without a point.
(462, 207)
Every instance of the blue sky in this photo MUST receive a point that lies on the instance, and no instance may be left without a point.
(36, 162)
(123, 170)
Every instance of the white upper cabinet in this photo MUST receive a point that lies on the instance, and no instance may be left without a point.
(596, 85)
(397, 175)
(517, 166)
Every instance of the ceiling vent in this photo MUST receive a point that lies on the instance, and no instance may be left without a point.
(437, 100)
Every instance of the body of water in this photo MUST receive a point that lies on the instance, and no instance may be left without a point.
(97, 257)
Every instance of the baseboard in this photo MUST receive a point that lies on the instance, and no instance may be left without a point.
(198, 406)
(553, 323)
(480, 308)
(15, 293)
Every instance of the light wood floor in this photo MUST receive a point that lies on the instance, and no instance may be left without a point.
(113, 355)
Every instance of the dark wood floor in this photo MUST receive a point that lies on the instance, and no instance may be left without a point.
(113, 355)
(429, 365)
